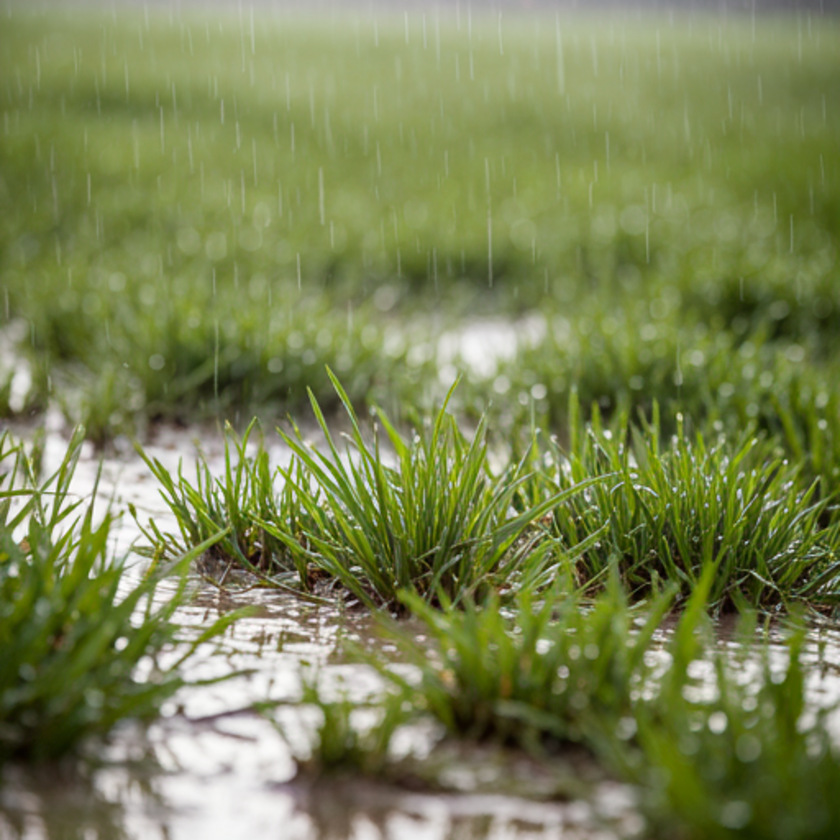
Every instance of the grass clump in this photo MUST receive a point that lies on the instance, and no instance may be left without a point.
(349, 737)
(73, 630)
(734, 748)
(427, 514)
(233, 506)
(807, 414)
(436, 523)
(537, 676)
(677, 507)
(719, 739)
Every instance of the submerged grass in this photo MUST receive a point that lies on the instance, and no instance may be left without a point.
(720, 740)
(79, 640)
(341, 743)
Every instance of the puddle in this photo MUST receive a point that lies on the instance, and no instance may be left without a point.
(15, 369)
(213, 768)
(480, 345)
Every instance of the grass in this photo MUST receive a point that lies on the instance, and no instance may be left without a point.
(436, 523)
(538, 680)
(678, 506)
(75, 631)
(231, 506)
(200, 218)
(717, 744)
(340, 744)
(426, 513)
(719, 740)
(752, 757)
(220, 366)
(720, 380)
(431, 518)
(193, 259)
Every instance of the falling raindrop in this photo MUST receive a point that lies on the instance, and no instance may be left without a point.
(489, 224)
(216, 361)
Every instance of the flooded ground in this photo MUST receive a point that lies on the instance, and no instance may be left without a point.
(212, 767)
(109, 259)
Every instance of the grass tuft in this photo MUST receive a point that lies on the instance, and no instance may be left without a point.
(233, 505)
(73, 629)
(436, 523)
(678, 506)
(719, 739)
(730, 746)
(536, 676)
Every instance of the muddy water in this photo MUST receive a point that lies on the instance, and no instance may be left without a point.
(212, 768)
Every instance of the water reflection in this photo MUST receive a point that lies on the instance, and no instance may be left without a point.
(213, 768)
(77, 803)
(116, 803)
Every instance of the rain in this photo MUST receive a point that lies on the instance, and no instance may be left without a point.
(542, 298)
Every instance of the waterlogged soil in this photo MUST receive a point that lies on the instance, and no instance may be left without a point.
(211, 767)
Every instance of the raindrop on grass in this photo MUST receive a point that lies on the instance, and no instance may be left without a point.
(625, 729)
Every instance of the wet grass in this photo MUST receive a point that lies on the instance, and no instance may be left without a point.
(231, 505)
(719, 740)
(201, 219)
(718, 380)
(678, 506)
(753, 757)
(539, 680)
(426, 514)
(436, 523)
(80, 641)
(211, 218)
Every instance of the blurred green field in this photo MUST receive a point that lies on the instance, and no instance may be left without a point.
(199, 210)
